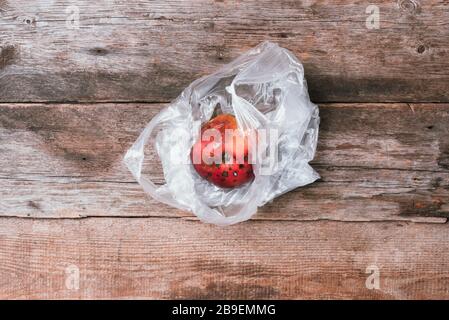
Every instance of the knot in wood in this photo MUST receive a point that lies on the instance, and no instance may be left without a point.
(409, 6)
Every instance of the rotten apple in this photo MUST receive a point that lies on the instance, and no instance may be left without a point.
(221, 154)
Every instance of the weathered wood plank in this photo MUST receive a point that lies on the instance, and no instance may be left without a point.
(174, 258)
(149, 51)
(377, 162)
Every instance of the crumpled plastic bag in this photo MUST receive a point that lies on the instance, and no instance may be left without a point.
(264, 89)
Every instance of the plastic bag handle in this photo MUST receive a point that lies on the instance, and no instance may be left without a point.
(134, 160)
(248, 116)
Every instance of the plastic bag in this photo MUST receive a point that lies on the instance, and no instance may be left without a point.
(264, 89)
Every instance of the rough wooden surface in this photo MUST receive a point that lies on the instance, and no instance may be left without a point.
(174, 258)
(377, 162)
(68, 203)
(150, 50)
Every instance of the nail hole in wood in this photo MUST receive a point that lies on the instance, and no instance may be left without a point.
(98, 51)
(29, 20)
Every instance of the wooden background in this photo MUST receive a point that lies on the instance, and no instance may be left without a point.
(75, 95)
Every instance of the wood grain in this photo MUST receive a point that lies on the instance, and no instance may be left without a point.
(377, 161)
(149, 51)
(173, 258)
(67, 201)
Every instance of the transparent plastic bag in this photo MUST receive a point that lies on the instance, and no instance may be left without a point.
(264, 89)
